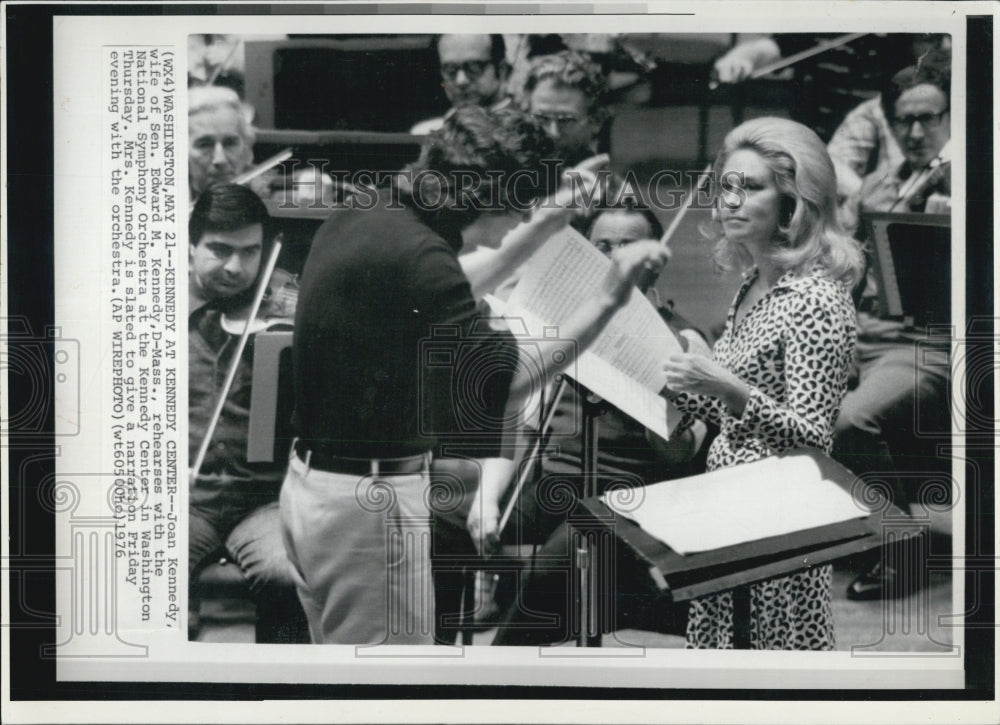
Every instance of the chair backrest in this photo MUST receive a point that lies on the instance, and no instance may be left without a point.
(271, 397)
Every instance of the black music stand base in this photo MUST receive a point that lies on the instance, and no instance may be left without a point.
(585, 551)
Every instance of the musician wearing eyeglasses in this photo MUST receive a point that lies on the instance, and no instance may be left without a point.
(916, 104)
(565, 92)
(876, 430)
(474, 72)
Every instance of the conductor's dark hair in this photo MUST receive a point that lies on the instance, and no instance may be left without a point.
(498, 48)
(481, 160)
(933, 68)
(226, 208)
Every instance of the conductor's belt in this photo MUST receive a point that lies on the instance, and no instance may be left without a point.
(317, 459)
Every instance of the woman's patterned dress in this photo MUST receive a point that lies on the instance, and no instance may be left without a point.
(794, 349)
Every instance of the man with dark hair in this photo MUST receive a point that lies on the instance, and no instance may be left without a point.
(233, 503)
(916, 103)
(387, 334)
(565, 92)
(474, 72)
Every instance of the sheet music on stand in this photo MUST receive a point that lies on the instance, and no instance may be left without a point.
(624, 364)
(776, 496)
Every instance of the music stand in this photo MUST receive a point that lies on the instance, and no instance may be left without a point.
(268, 426)
(912, 258)
(682, 578)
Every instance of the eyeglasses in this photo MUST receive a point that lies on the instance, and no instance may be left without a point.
(473, 69)
(927, 121)
(562, 122)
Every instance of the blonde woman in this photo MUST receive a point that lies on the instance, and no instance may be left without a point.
(779, 371)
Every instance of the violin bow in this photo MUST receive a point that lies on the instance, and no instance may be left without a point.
(252, 173)
(821, 47)
(234, 363)
(791, 60)
(526, 470)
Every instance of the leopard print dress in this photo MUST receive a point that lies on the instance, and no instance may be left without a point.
(794, 349)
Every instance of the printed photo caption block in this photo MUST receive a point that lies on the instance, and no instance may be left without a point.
(144, 254)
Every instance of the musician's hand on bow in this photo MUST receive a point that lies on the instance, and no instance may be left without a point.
(483, 524)
(689, 373)
(263, 185)
(742, 59)
(732, 68)
(629, 264)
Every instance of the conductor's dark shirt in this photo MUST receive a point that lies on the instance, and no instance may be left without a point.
(376, 374)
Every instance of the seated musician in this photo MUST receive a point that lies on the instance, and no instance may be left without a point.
(233, 503)
(220, 148)
(220, 138)
(474, 72)
(472, 527)
(864, 141)
(627, 454)
(876, 428)
(566, 93)
(626, 448)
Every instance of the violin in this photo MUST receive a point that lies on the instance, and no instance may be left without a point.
(277, 307)
(936, 178)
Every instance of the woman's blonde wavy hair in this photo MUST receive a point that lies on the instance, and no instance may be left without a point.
(809, 233)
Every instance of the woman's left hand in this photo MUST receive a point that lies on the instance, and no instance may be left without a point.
(688, 373)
